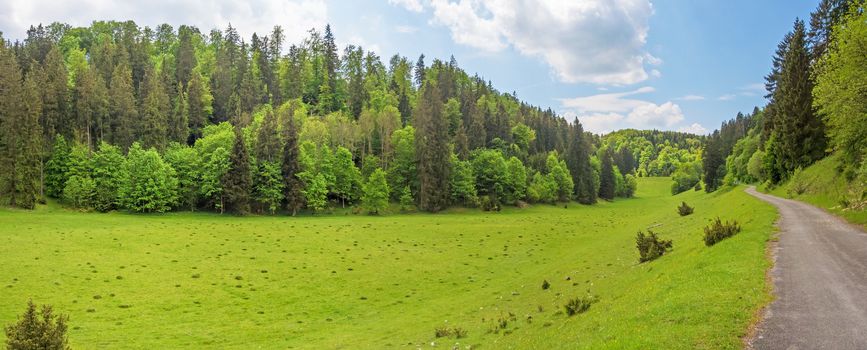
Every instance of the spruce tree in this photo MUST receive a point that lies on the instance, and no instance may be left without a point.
(578, 162)
(199, 104)
(55, 96)
(268, 139)
(292, 189)
(124, 114)
(154, 113)
(178, 124)
(185, 56)
(238, 182)
(57, 167)
(606, 178)
(432, 150)
(20, 134)
(800, 133)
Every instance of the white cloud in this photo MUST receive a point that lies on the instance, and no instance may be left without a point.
(602, 113)
(691, 98)
(411, 5)
(591, 41)
(260, 16)
(610, 102)
(726, 97)
(406, 29)
(694, 128)
(655, 116)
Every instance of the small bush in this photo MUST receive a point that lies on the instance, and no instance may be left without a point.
(578, 305)
(650, 246)
(697, 186)
(718, 230)
(441, 332)
(38, 330)
(459, 332)
(489, 203)
(798, 186)
(545, 284)
(684, 209)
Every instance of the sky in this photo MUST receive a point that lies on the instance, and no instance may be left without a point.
(683, 65)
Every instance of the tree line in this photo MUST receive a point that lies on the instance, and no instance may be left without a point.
(118, 117)
(817, 105)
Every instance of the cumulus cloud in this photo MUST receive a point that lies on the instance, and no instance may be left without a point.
(590, 41)
(603, 113)
(411, 5)
(609, 102)
(694, 128)
(260, 16)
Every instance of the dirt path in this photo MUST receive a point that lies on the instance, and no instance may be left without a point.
(820, 282)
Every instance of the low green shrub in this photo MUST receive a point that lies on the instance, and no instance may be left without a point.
(578, 305)
(718, 231)
(650, 246)
(684, 209)
(545, 284)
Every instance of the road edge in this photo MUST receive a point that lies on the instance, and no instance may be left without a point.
(771, 249)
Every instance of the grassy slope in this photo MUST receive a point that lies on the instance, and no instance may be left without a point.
(825, 186)
(378, 282)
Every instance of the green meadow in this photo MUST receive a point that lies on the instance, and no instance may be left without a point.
(201, 280)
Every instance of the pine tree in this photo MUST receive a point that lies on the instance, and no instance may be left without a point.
(432, 150)
(154, 113)
(55, 96)
(38, 330)
(237, 182)
(268, 139)
(800, 133)
(185, 56)
(91, 106)
(292, 189)
(419, 71)
(57, 167)
(199, 105)
(178, 124)
(822, 21)
(578, 162)
(20, 134)
(606, 177)
(124, 114)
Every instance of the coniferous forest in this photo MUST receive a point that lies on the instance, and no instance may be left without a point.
(116, 116)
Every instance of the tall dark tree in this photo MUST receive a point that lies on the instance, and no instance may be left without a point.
(91, 106)
(800, 133)
(578, 162)
(154, 113)
(197, 106)
(122, 107)
(822, 21)
(20, 134)
(185, 55)
(291, 167)
(238, 181)
(179, 130)
(419, 71)
(268, 139)
(332, 63)
(432, 149)
(606, 177)
(55, 96)
(713, 162)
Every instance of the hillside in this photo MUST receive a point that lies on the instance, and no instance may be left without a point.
(204, 280)
(824, 185)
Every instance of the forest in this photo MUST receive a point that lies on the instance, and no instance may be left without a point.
(115, 116)
(816, 108)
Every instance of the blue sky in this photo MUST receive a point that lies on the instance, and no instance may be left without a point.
(677, 65)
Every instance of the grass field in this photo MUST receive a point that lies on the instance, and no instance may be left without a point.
(198, 280)
(823, 186)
